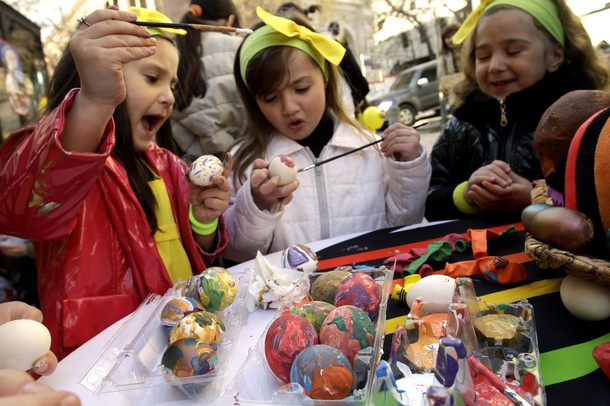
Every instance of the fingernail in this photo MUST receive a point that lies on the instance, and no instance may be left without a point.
(70, 400)
(35, 387)
(40, 367)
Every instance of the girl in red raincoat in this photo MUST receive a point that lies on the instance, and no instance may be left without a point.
(106, 208)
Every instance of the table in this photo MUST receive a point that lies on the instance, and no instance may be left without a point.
(570, 374)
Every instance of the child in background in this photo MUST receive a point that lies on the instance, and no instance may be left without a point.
(287, 77)
(518, 58)
(208, 116)
(107, 209)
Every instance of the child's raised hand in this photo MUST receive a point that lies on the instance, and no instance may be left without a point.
(266, 191)
(105, 41)
(210, 202)
(401, 142)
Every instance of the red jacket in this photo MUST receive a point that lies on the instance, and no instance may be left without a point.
(95, 254)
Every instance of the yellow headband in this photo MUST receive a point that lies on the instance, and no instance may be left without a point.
(283, 32)
(544, 11)
(154, 16)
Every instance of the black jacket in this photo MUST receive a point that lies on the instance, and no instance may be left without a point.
(474, 138)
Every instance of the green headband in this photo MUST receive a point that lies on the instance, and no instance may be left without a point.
(283, 32)
(544, 11)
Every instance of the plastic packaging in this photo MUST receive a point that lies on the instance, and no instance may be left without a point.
(131, 361)
(255, 383)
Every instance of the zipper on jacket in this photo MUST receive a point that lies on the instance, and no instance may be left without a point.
(322, 198)
(503, 119)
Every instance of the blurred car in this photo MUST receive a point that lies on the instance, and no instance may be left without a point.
(414, 91)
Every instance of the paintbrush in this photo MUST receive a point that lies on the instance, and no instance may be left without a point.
(198, 27)
(308, 167)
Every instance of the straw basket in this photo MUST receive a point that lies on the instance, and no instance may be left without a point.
(548, 257)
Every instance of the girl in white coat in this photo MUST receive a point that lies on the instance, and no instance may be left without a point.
(287, 77)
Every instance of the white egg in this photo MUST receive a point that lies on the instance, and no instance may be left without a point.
(22, 342)
(204, 168)
(585, 299)
(284, 167)
(433, 288)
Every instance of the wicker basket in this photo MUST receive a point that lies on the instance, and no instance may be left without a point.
(548, 257)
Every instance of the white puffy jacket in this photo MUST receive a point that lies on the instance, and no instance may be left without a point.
(356, 193)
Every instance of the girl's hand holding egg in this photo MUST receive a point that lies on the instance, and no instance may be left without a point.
(210, 191)
(273, 182)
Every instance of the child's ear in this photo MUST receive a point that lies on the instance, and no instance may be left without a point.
(557, 58)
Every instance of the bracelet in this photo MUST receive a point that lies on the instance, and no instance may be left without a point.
(460, 200)
(201, 228)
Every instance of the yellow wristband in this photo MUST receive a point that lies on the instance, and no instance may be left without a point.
(201, 228)
(460, 201)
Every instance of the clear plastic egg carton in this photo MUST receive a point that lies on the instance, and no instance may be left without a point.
(502, 337)
(131, 362)
(256, 384)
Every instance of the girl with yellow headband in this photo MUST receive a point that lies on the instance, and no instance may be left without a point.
(287, 77)
(518, 57)
(111, 215)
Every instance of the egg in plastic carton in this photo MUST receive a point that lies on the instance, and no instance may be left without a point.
(257, 382)
(131, 362)
(502, 336)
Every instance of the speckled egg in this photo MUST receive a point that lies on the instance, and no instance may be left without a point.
(175, 309)
(300, 257)
(189, 357)
(348, 329)
(314, 311)
(323, 371)
(285, 338)
(284, 167)
(325, 286)
(214, 289)
(204, 326)
(204, 168)
(360, 290)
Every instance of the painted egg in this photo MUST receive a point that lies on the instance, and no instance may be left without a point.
(585, 299)
(204, 168)
(214, 289)
(204, 326)
(285, 338)
(23, 342)
(348, 329)
(175, 309)
(284, 167)
(530, 211)
(300, 257)
(323, 371)
(433, 288)
(360, 290)
(189, 357)
(325, 286)
(314, 311)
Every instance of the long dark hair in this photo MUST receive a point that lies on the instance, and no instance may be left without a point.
(65, 78)
(190, 67)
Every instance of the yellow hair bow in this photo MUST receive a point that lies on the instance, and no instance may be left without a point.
(330, 49)
(471, 22)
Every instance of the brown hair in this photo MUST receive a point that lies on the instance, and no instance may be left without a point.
(579, 53)
(264, 74)
(190, 67)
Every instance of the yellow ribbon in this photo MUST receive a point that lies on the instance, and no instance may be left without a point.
(285, 32)
(471, 22)
(154, 16)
